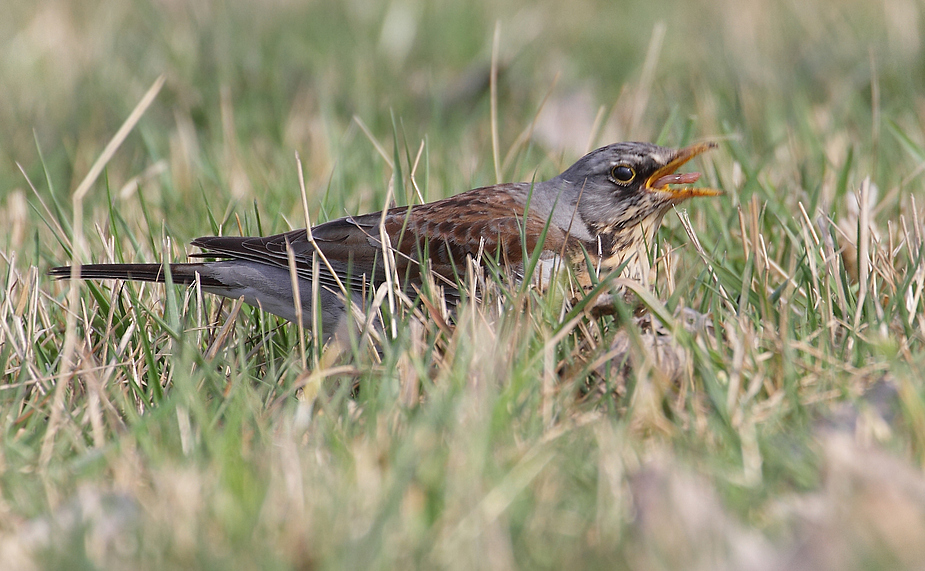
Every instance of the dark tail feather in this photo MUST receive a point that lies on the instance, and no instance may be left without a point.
(181, 273)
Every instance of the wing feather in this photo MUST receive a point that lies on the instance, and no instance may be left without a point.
(439, 235)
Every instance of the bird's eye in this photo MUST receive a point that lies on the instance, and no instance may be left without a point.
(622, 174)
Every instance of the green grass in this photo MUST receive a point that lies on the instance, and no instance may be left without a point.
(184, 433)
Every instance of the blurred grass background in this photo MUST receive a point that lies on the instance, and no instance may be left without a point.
(795, 438)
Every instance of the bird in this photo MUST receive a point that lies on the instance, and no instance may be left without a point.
(597, 216)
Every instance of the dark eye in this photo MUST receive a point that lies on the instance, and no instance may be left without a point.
(622, 174)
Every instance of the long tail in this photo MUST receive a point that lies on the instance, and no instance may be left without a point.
(180, 273)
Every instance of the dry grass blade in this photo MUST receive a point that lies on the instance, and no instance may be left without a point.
(70, 337)
(863, 244)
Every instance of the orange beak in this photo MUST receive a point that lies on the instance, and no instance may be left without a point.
(664, 178)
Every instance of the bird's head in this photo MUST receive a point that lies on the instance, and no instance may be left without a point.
(625, 184)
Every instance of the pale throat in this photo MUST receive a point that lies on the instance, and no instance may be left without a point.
(633, 247)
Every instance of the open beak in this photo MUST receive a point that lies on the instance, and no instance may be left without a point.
(678, 185)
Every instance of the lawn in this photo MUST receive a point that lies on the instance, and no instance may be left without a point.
(779, 425)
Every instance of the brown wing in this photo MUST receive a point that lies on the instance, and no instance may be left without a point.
(485, 220)
(489, 221)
